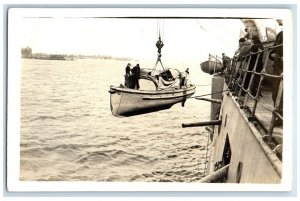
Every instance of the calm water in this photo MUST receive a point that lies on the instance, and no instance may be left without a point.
(69, 134)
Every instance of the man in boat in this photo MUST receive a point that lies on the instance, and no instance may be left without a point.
(183, 76)
(187, 71)
(127, 75)
(136, 75)
(159, 45)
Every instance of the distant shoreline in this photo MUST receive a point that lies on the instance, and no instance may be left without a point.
(43, 56)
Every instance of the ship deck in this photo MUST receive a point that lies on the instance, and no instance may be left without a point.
(263, 113)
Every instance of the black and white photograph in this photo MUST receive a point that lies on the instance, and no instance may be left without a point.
(108, 99)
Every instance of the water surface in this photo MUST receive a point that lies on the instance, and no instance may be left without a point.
(69, 134)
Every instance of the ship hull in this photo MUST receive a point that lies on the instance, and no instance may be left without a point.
(237, 143)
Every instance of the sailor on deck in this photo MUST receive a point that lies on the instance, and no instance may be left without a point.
(226, 61)
(257, 46)
(276, 55)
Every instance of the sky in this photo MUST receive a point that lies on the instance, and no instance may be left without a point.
(100, 32)
(133, 38)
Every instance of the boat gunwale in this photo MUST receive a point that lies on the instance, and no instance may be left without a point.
(152, 92)
(168, 97)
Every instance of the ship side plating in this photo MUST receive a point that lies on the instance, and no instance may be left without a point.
(246, 124)
(239, 144)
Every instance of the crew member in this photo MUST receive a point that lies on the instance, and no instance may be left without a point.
(277, 56)
(136, 75)
(257, 45)
(187, 71)
(226, 61)
(127, 75)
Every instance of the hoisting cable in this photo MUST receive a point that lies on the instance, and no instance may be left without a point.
(209, 94)
(159, 44)
(200, 25)
(203, 85)
(160, 28)
(216, 35)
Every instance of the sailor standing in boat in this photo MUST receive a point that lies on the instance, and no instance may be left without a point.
(127, 75)
(187, 71)
(136, 75)
(183, 78)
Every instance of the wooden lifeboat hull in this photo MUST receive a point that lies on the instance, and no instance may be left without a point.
(129, 102)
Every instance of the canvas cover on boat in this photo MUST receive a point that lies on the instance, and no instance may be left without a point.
(147, 83)
(169, 79)
(164, 84)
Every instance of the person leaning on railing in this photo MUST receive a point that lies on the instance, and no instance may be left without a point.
(276, 55)
(257, 45)
(244, 46)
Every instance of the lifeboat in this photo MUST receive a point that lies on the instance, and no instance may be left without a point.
(157, 92)
(212, 65)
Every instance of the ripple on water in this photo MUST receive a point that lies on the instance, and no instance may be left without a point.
(69, 134)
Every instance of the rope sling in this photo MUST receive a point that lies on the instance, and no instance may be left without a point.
(159, 44)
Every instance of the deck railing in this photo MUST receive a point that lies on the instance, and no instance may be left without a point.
(236, 77)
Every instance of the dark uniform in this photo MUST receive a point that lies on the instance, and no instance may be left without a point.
(276, 55)
(127, 75)
(136, 75)
(127, 69)
(254, 48)
(226, 61)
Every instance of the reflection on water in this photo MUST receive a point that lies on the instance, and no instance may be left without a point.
(69, 134)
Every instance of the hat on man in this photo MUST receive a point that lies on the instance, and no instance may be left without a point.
(256, 38)
(242, 40)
